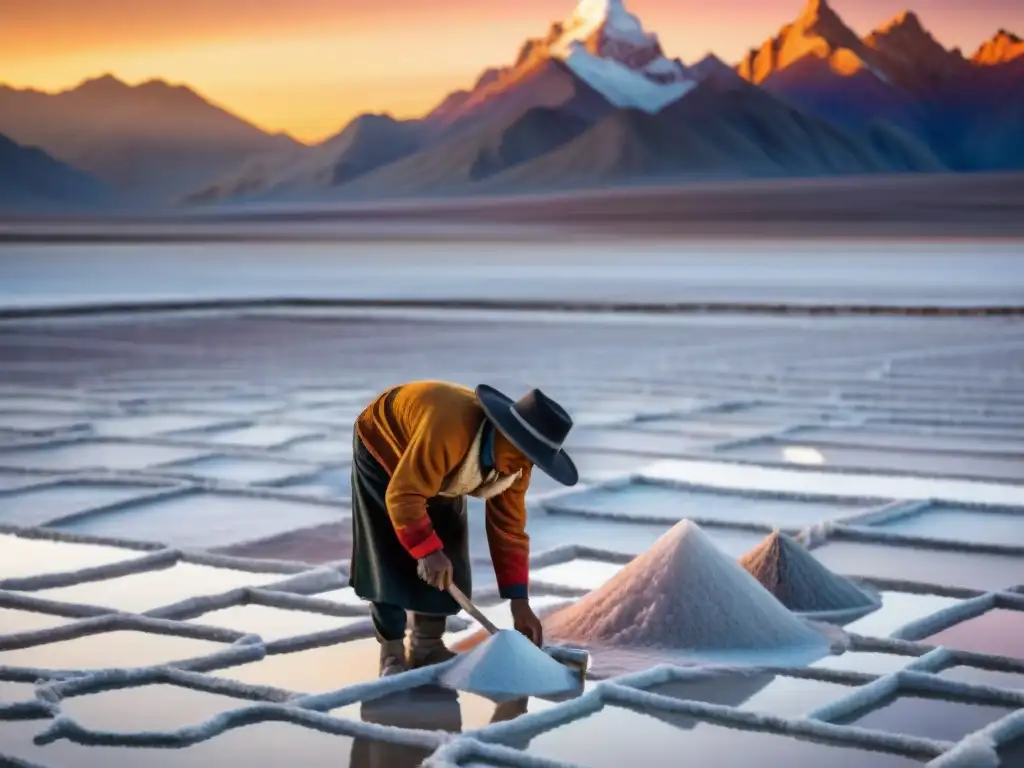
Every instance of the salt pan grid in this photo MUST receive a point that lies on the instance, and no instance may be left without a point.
(223, 424)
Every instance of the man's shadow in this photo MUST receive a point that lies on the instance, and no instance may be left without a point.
(429, 708)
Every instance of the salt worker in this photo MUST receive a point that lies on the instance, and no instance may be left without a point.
(419, 450)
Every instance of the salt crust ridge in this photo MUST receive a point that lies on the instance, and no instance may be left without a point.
(976, 751)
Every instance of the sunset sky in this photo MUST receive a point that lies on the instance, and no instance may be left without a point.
(308, 66)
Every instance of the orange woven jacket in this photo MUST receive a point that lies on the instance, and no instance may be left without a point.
(419, 433)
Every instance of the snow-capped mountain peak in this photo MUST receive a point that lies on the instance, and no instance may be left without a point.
(606, 46)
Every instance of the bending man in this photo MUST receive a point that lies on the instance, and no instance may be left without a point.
(419, 450)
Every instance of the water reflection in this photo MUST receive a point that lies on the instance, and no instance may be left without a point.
(429, 708)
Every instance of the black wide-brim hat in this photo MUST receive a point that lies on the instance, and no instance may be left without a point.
(536, 425)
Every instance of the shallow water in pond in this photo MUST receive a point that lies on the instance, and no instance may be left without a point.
(22, 557)
(871, 437)
(11, 692)
(869, 662)
(13, 620)
(777, 694)
(330, 483)
(262, 745)
(958, 524)
(237, 469)
(273, 623)
(931, 718)
(39, 505)
(674, 504)
(139, 592)
(10, 481)
(929, 566)
(1007, 467)
(998, 631)
(39, 422)
(147, 708)
(1011, 755)
(314, 671)
(616, 736)
(149, 424)
(258, 435)
(110, 649)
(898, 609)
(627, 440)
(978, 676)
(205, 520)
(320, 449)
(580, 573)
(94, 455)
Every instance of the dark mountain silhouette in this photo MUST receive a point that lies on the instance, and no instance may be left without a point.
(31, 179)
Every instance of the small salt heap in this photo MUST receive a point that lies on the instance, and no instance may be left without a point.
(508, 666)
(684, 594)
(786, 569)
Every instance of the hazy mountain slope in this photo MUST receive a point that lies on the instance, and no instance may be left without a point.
(153, 140)
(31, 179)
(365, 144)
(473, 156)
(716, 133)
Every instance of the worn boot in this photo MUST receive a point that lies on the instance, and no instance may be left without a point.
(392, 658)
(426, 645)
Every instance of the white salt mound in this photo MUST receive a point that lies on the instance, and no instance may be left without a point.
(786, 569)
(683, 594)
(508, 666)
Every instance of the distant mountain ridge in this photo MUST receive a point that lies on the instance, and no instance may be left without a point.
(594, 101)
(154, 140)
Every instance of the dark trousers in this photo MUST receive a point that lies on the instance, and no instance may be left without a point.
(388, 621)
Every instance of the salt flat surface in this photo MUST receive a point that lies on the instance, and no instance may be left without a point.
(881, 272)
(960, 383)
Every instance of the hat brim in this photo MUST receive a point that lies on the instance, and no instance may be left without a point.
(554, 463)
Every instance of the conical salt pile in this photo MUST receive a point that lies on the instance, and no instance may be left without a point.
(683, 594)
(791, 573)
(509, 666)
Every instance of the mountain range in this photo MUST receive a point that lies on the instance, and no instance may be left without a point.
(594, 101)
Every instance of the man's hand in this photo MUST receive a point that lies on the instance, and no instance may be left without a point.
(436, 569)
(526, 621)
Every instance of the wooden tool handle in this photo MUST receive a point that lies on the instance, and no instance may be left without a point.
(472, 610)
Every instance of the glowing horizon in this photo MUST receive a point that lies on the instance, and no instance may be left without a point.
(307, 67)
